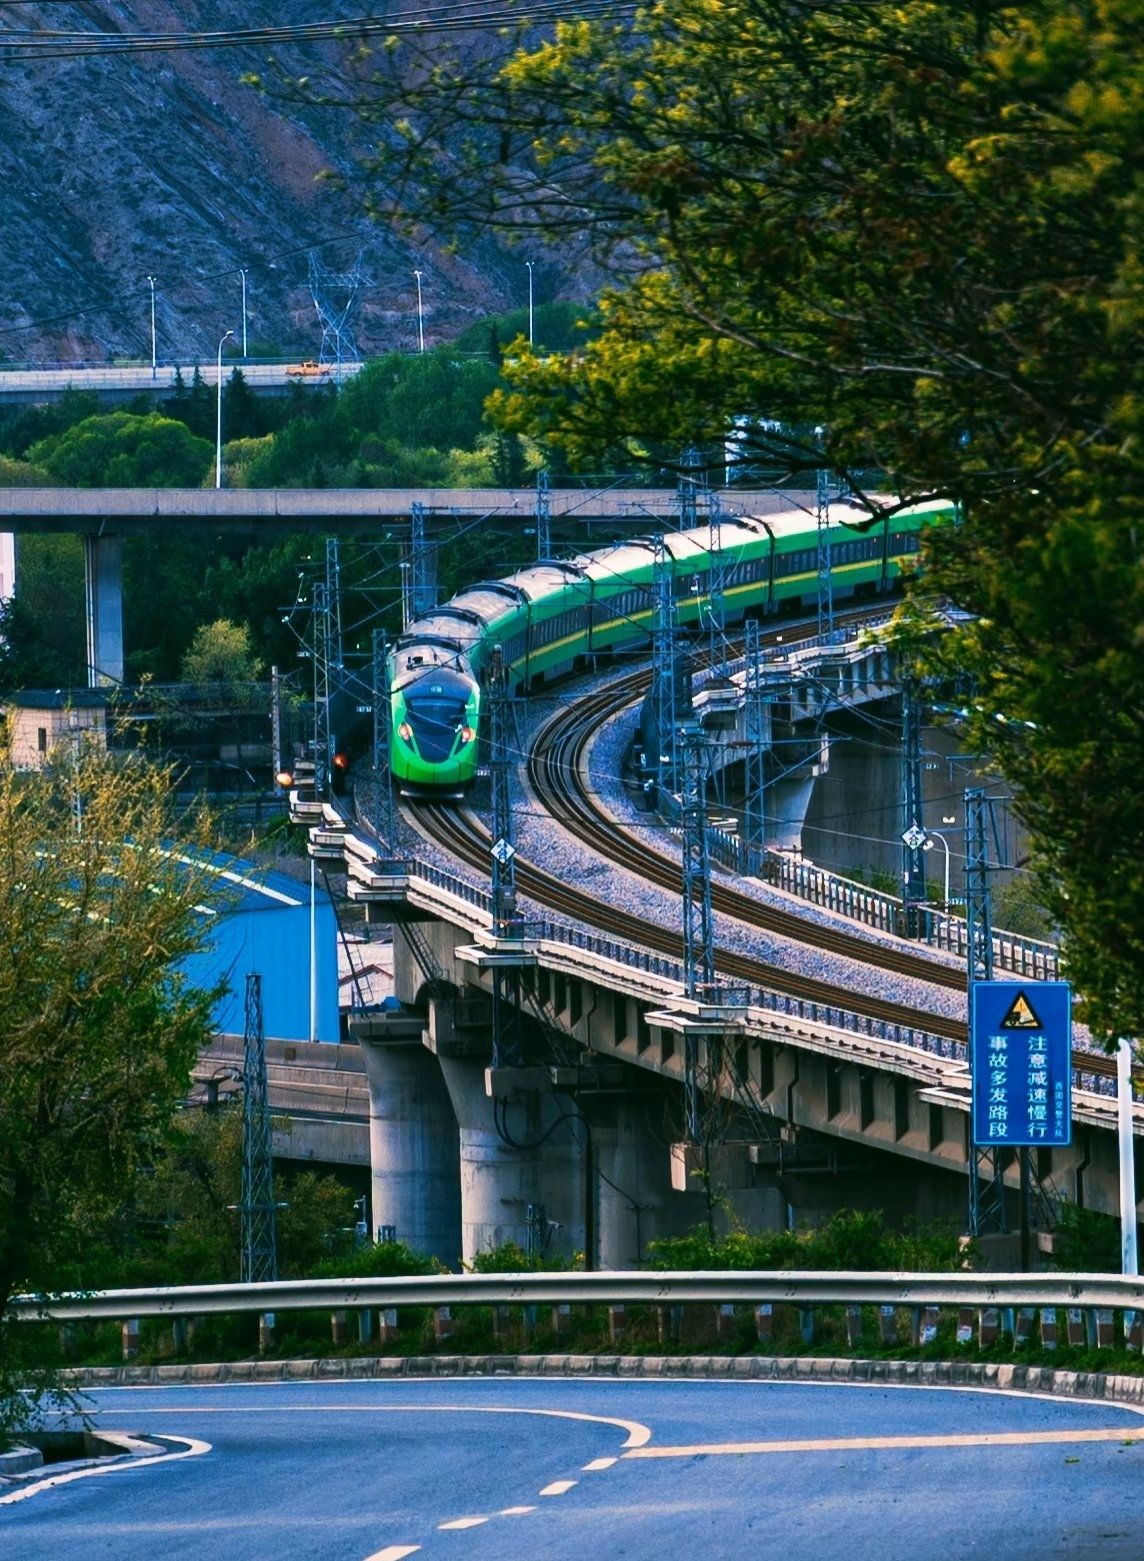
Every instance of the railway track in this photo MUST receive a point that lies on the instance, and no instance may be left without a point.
(556, 770)
(466, 838)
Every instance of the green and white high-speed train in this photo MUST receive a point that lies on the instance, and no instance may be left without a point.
(549, 618)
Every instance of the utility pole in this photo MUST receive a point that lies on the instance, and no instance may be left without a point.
(986, 1179)
(382, 735)
(420, 314)
(664, 656)
(258, 1209)
(823, 486)
(242, 274)
(913, 833)
(506, 978)
(698, 921)
(154, 361)
(543, 517)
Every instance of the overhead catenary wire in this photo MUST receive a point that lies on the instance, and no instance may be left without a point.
(28, 44)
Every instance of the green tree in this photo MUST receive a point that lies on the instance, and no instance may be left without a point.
(916, 228)
(100, 1029)
(42, 635)
(123, 450)
(220, 652)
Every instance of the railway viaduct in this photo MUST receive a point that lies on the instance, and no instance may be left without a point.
(583, 1153)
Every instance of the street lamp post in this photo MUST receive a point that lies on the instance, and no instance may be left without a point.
(938, 835)
(218, 419)
(151, 280)
(242, 274)
(420, 315)
(529, 264)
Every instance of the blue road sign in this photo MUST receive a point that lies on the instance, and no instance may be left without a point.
(1020, 1041)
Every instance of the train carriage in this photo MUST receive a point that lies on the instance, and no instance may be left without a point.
(549, 617)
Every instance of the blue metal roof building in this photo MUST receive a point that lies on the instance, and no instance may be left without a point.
(263, 925)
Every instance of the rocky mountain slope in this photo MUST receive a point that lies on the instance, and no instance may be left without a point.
(167, 165)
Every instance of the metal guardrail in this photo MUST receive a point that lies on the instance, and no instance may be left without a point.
(619, 1288)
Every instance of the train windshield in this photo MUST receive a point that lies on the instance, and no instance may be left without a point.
(437, 713)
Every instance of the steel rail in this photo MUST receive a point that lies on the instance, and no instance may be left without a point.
(618, 1287)
(465, 837)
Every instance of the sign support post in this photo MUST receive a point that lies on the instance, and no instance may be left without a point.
(1129, 1263)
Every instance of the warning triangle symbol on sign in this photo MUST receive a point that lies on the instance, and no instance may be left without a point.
(1021, 1015)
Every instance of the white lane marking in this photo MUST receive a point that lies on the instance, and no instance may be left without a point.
(393, 1553)
(193, 1448)
(514, 1512)
(463, 1523)
(842, 1444)
(598, 1463)
(668, 1380)
(558, 1487)
(637, 1435)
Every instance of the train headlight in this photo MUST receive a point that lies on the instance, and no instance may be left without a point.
(467, 734)
(405, 732)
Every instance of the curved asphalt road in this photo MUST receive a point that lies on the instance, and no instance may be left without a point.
(486, 1470)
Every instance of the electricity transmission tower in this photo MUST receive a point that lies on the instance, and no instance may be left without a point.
(543, 517)
(690, 482)
(913, 807)
(506, 978)
(258, 1209)
(334, 297)
(986, 1173)
(698, 920)
(664, 657)
(386, 814)
(823, 487)
(418, 570)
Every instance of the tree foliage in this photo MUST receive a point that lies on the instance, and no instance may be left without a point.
(220, 652)
(914, 228)
(100, 1028)
(124, 450)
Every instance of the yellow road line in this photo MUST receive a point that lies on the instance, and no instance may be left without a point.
(847, 1444)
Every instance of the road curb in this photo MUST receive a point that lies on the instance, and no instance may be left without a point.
(763, 1368)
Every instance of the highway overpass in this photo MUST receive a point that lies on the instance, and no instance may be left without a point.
(103, 517)
(122, 382)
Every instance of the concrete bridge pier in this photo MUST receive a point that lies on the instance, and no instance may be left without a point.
(531, 1194)
(103, 571)
(413, 1141)
(635, 1202)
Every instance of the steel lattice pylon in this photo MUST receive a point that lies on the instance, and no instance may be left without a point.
(757, 722)
(321, 638)
(543, 517)
(418, 570)
(986, 1174)
(913, 833)
(506, 979)
(334, 297)
(386, 811)
(664, 654)
(717, 657)
(823, 486)
(258, 1209)
(690, 476)
(698, 921)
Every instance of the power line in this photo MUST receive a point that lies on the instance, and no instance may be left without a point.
(58, 44)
